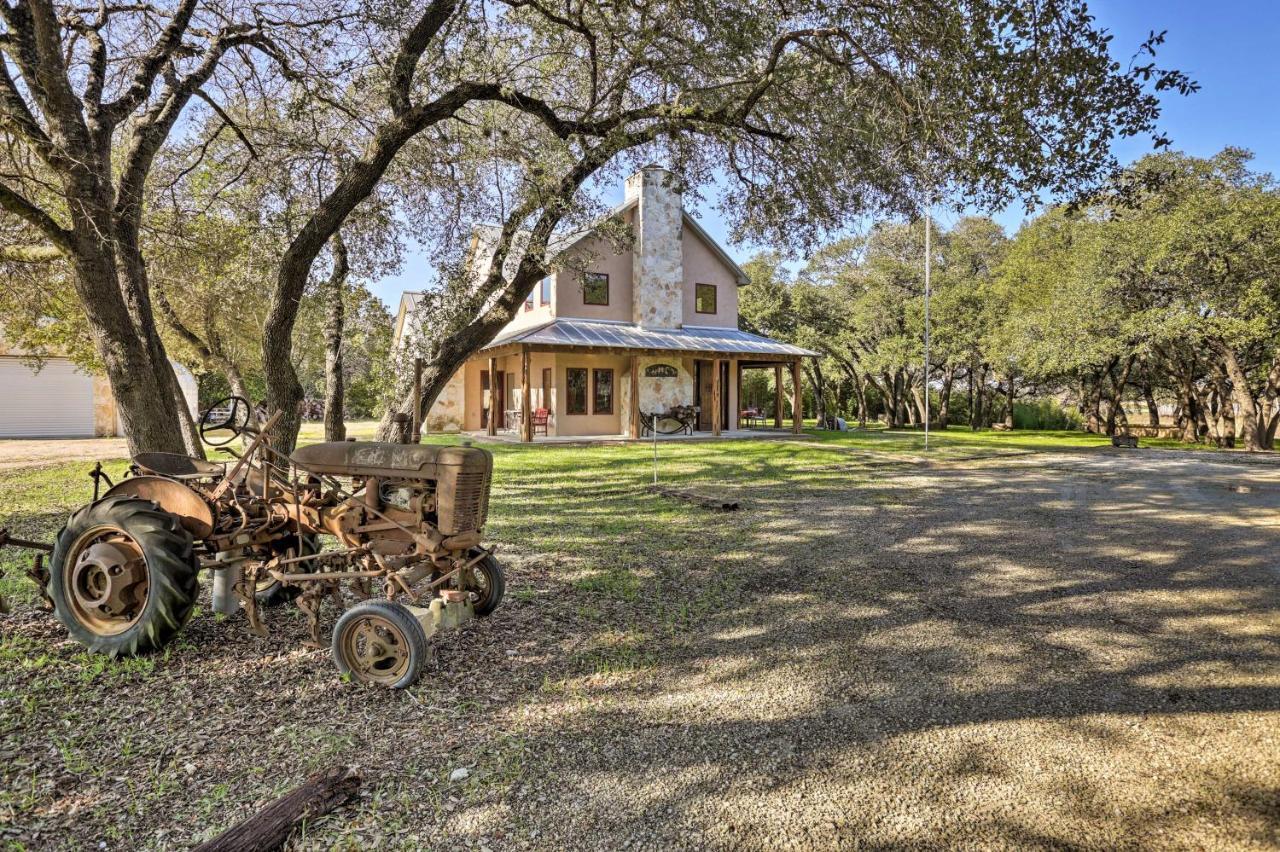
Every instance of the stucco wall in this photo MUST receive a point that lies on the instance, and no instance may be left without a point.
(601, 257)
(702, 266)
(447, 413)
(589, 424)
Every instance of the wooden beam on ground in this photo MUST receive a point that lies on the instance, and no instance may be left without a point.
(494, 403)
(270, 827)
(777, 396)
(720, 505)
(716, 394)
(797, 416)
(526, 394)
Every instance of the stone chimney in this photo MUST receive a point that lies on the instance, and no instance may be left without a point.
(657, 281)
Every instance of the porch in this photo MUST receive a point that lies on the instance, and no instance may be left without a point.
(575, 379)
(514, 437)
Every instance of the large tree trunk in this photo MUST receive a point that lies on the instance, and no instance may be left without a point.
(980, 406)
(860, 391)
(819, 389)
(143, 382)
(1011, 393)
(1239, 392)
(1153, 409)
(944, 400)
(918, 399)
(335, 428)
(1114, 412)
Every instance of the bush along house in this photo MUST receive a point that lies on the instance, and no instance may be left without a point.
(622, 342)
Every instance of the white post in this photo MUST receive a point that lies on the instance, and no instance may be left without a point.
(928, 262)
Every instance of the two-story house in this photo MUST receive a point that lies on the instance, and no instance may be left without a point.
(621, 333)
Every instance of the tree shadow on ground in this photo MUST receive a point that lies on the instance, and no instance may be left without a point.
(1045, 607)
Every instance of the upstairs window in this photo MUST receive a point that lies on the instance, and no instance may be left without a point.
(544, 294)
(595, 288)
(704, 298)
(528, 303)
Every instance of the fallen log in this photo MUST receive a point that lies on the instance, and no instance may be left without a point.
(270, 827)
(706, 502)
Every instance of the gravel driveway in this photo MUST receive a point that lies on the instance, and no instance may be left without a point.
(1051, 651)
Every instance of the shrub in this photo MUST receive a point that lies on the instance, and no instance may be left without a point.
(1045, 414)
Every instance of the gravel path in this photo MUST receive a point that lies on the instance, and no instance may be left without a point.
(1069, 651)
(18, 453)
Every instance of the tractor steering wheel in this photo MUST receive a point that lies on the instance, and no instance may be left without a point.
(224, 421)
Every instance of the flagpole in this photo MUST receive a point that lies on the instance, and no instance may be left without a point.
(928, 262)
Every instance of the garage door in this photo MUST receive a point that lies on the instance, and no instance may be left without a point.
(56, 402)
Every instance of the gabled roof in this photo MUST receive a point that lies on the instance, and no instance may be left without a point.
(559, 243)
(615, 334)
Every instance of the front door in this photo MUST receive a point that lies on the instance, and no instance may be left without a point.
(706, 393)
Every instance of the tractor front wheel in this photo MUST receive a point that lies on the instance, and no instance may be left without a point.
(123, 577)
(486, 585)
(379, 642)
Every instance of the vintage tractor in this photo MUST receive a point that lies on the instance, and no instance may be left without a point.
(402, 524)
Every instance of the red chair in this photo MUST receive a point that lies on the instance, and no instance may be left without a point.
(539, 420)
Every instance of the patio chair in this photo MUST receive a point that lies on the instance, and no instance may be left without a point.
(539, 420)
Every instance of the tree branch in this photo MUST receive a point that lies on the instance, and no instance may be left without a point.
(15, 203)
(155, 60)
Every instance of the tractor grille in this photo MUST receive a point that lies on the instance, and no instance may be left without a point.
(464, 502)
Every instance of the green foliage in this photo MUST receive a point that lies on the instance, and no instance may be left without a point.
(1045, 414)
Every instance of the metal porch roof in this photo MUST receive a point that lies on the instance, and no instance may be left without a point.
(625, 335)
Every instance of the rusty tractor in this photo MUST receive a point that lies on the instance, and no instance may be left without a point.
(398, 524)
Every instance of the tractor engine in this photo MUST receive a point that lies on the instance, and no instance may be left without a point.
(439, 491)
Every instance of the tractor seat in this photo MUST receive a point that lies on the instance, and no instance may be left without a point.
(176, 466)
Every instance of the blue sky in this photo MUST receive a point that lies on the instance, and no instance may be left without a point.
(1231, 47)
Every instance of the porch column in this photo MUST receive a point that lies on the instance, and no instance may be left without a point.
(716, 392)
(526, 420)
(494, 402)
(796, 397)
(777, 396)
(735, 411)
(633, 427)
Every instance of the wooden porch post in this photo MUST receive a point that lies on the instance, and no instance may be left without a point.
(526, 418)
(777, 396)
(633, 428)
(796, 397)
(416, 437)
(494, 402)
(735, 411)
(716, 392)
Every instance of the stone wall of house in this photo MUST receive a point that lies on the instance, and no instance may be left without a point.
(447, 412)
(666, 392)
(657, 285)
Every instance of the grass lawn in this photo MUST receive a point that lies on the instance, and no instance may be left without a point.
(37, 500)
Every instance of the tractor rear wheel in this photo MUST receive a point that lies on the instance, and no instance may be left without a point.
(123, 577)
(379, 642)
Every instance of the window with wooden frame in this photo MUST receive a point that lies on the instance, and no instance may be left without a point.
(544, 291)
(528, 303)
(575, 383)
(704, 298)
(595, 288)
(602, 391)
